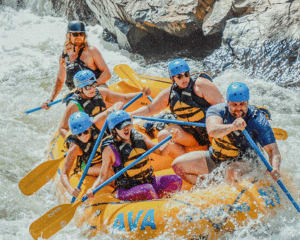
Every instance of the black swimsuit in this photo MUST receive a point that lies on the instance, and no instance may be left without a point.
(73, 67)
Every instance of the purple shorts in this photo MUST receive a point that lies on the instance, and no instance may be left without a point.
(161, 186)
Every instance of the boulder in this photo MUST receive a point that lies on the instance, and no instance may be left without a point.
(136, 21)
(265, 41)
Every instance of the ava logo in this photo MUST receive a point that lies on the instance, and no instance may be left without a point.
(270, 195)
(148, 220)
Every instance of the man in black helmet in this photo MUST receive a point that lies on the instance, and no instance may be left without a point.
(77, 55)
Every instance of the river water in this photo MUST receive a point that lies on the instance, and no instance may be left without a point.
(30, 45)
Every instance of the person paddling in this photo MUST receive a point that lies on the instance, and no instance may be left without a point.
(225, 123)
(188, 98)
(90, 99)
(85, 131)
(78, 55)
(120, 149)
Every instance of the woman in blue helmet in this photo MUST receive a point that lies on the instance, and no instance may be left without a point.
(78, 55)
(85, 131)
(125, 145)
(90, 99)
(224, 123)
(188, 98)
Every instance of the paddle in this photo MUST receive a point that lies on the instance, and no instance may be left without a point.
(50, 104)
(126, 87)
(125, 72)
(280, 134)
(44, 172)
(39, 176)
(130, 88)
(91, 158)
(267, 164)
(170, 121)
(59, 216)
(98, 142)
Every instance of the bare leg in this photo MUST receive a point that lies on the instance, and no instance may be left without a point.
(235, 170)
(190, 165)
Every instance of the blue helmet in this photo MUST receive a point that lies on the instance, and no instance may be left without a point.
(118, 117)
(84, 78)
(237, 92)
(178, 66)
(79, 122)
(76, 26)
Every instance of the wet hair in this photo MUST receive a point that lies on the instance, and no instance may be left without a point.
(114, 134)
(68, 44)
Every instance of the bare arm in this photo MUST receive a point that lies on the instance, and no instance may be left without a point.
(100, 118)
(217, 129)
(159, 103)
(108, 159)
(73, 152)
(110, 97)
(274, 159)
(64, 125)
(101, 65)
(208, 90)
(151, 144)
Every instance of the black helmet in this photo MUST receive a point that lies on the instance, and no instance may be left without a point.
(76, 26)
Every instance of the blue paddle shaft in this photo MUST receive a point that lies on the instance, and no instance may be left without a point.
(170, 121)
(39, 108)
(267, 164)
(91, 158)
(118, 174)
(132, 100)
(50, 104)
(97, 144)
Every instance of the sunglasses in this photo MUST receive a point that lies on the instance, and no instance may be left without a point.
(119, 126)
(182, 75)
(89, 87)
(76, 34)
(83, 133)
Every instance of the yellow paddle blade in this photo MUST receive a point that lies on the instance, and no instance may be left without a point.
(127, 88)
(125, 72)
(280, 134)
(39, 176)
(53, 221)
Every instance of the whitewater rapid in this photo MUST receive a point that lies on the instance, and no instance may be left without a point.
(30, 46)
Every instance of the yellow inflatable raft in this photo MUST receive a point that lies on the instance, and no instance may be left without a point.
(205, 212)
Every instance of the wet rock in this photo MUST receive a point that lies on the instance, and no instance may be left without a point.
(74, 10)
(277, 21)
(265, 41)
(107, 36)
(135, 21)
(215, 21)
